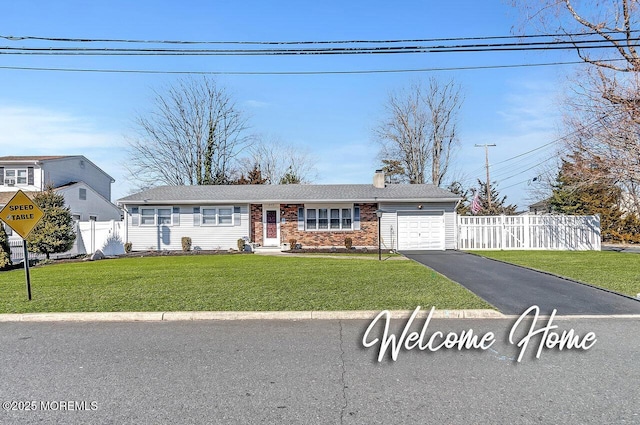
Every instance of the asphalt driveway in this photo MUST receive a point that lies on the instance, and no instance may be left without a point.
(512, 289)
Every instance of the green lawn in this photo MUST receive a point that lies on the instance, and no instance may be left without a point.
(617, 271)
(232, 283)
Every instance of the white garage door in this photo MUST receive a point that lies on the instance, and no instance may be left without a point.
(420, 230)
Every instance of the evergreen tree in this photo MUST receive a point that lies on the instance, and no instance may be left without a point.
(5, 249)
(253, 177)
(54, 233)
(290, 178)
(498, 204)
(463, 207)
(582, 188)
(393, 170)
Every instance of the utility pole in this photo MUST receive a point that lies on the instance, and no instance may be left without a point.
(486, 161)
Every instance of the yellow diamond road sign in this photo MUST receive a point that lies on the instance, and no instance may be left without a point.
(21, 214)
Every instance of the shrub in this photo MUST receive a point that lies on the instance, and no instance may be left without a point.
(241, 244)
(5, 249)
(348, 242)
(128, 247)
(292, 243)
(186, 243)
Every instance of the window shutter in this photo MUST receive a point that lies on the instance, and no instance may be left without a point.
(300, 218)
(196, 216)
(236, 216)
(176, 216)
(1, 175)
(356, 218)
(30, 178)
(135, 216)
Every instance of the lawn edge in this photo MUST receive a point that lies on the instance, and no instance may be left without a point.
(611, 291)
(172, 316)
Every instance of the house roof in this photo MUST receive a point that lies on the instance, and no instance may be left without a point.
(30, 158)
(42, 158)
(291, 193)
(6, 196)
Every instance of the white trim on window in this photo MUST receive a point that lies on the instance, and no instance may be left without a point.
(329, 218)
(156, 216)
(16, 176)
(218, 215)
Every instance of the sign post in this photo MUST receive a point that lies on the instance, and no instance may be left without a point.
(22, 215)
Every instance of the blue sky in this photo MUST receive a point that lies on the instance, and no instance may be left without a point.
(331, 116)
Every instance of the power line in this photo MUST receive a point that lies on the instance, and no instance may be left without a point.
(369, 71)
(474, 48)
(303, 42)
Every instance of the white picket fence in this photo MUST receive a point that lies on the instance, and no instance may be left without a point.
(90, 236)
(553, 232)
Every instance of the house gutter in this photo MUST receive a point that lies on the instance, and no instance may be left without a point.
(275, 201)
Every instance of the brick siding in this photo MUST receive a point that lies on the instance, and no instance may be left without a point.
(367, 236)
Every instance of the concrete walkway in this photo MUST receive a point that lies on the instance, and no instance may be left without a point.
(513, 289)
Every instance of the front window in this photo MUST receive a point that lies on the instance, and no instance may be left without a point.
(225, 216)
(217, 216)
(148, 216)
(209, 216)
(164, 216)
(323, 222)
(329, 218)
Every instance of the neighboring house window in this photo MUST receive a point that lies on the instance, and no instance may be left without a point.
(17, 176)
(83, 194)
(220, 216)
(76, 217)
(329, 218)
(21, 176)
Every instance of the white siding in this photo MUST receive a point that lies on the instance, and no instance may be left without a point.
(203, 237)
(389, 221)
(75, 169)
(93, 205)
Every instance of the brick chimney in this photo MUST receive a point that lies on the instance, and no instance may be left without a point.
(378, 179)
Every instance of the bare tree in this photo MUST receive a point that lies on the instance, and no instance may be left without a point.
(420, 129)
(603, 110)
(193, 136)
(278, 161)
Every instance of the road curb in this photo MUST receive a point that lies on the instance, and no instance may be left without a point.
(173, 316)
(186, 316)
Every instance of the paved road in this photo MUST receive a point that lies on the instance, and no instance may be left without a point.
(311, 372)
(513, 289)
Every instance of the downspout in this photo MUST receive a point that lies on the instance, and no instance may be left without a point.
(456, 230)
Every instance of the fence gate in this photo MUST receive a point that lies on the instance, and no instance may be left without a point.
(561, 232)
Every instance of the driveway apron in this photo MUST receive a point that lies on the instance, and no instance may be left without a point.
(512, 289)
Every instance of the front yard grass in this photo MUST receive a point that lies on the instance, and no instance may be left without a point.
(232, 283)
(617, 271)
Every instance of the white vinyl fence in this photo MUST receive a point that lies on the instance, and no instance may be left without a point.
(553, 232)
(90, 236)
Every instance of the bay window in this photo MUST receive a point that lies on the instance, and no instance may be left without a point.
(331, 218)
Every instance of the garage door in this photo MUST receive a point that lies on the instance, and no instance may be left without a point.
(420, 230)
